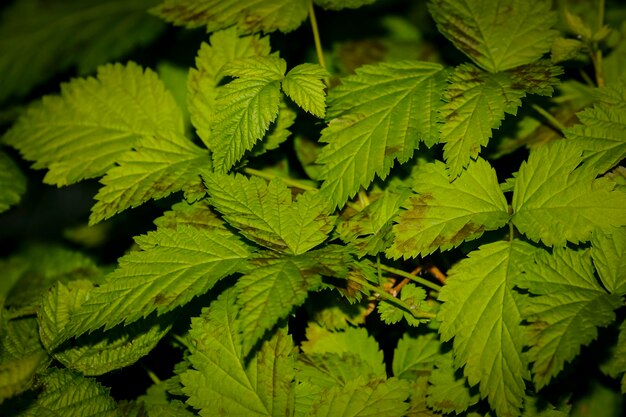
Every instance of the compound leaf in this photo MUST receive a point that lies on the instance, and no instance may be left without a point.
(265, 213)
(601, 133)
(481, 313)
(84, 131)
(70, 394)
(222, 382)
(555, 200)
(157, 167)
(225, 46)
(304, 84)
(413, 297)
(247, 15)
(247, 106)
(12, 182)
(276, 286)
(377, 116)
(39, 40)
(608, 251)
(497, 35)
(443, 214)
(568, 308)
(174, 266)
(97, 353)
(476, 103)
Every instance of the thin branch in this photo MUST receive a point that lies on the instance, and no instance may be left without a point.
(316, 36)
(404, 274)
(393, 300)
(549, 118)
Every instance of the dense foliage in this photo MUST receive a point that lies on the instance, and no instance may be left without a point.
(410, 209)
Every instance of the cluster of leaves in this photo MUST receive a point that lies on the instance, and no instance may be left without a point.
(401, 176)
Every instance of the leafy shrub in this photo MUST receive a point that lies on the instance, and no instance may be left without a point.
(429, 220)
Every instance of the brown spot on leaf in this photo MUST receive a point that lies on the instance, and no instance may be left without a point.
(393, 150)
(467, 231)
(162, 299)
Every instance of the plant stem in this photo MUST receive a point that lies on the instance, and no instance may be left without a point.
(316, 36)
(393, 300)
(600, 14)
(404, 274)
(153, 377)
(596, 56)
(289, 181)
(598, 65)
(549, 118)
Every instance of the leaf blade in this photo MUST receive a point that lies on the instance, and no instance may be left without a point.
(377, 116)
(481, 313)
(442, 214)
(497, 35)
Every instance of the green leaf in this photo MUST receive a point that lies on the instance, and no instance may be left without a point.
(225, 46)
(222, 382)
(304, 84)
(97, 353)
(279, 129)
(157, 404)
(481, 313)
(276, 286)
(448, 392)
(198, 215)
(476, 103)
(413, 297)
(12, 182)
(155, 168)
(71, 395)
(39, 40)
(369, 230)
(84, 131)
(616, 364)
(265, 213)
(21, 357)
(175, 78)
(377, 116)
(415, 356)
(352, 340)
(37, 268)
(337, 358)
(342, 4)
(363, 398)
(608, 251)
(247, 15)
(601, 133)
(568, 308)
(16, 375)
(443, 214)
(497, 34)
(246, 107)
(20, 338)
(555, 200)
(173, 267)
